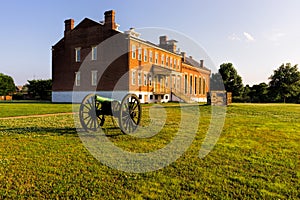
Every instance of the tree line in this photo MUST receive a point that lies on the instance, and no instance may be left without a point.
(284, 85)
(34, 89)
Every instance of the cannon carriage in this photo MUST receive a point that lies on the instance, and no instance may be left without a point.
(94, 109)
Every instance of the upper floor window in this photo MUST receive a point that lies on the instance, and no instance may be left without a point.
(94, 78)
(150, 56)
(140, 53)
(171, 62)
(77, 54)
(167, 61)
(150, 79)
(94, 53)
(133, 51)
(162, 59)
(139, 78)
(175, 63)
(145, 55)
(145, 79)
(133, 77)
(156, 58)
(77, 78)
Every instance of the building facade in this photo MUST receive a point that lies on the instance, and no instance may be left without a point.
(97, 57)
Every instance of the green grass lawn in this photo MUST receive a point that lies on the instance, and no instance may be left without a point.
(22, 109)
(256, 157)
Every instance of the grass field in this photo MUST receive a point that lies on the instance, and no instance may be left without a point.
(256, 157)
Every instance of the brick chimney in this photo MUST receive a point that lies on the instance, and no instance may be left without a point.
(202, 63)
(163, 40)
(183, 55)
(69, 24)
(109, 20)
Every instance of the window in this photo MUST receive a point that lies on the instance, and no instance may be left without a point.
(77, 78)
(171, 62)
(185, 83)
(150, 56)
(162, 59)
(195, 82)
(145, 79)
(133, 77)
(178, 82)
(191, 84)
(151, 96)
(167, 61)
(204, 85)
(94, 78)
(175, 63)
(139, 78)
(77, 54)
(133, 51)
(94, 53)
(140, 53)
(167, 82)
(156, 58)
(150, 79)
(145, 55)
(140, 96)
(200, 85)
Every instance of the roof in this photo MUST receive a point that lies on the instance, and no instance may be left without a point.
(194, 63)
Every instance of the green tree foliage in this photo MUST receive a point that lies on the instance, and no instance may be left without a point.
(216, 82)
(284, 84)
(7, 85)
(232, 81)
(40, 89)
(259, 93)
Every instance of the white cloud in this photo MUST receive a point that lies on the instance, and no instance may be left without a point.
(234, 37)
(248, 36)
(275, 37)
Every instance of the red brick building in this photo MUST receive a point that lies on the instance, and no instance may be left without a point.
(97, 57)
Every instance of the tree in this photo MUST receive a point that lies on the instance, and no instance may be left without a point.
(259, 93)
(285, 83)
(40, 89)
(232, 81)
(216, 82)
(7, 85)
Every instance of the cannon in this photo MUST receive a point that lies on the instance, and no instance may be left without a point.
(95, 108)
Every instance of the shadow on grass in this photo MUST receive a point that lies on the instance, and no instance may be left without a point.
(39, 130)
(109, 132)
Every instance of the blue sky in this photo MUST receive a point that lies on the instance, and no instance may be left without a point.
(256, 36)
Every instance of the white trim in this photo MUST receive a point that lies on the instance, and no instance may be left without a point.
(94, 52)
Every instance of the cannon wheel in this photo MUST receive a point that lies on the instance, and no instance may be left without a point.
(90, 113)
(130, 114)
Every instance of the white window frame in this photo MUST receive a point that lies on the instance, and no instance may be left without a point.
(150, 79)
(139, 78)
(150, 56)
(133, 51)
(175, 63)
(133, 77)
(94, 79)
(156, 57)
(94, 52)
(77, 54)
(167, 61)
(77, 78)
(140, 53)
(162, 59)
(171, 62)
(145, 55)
(145, 79)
